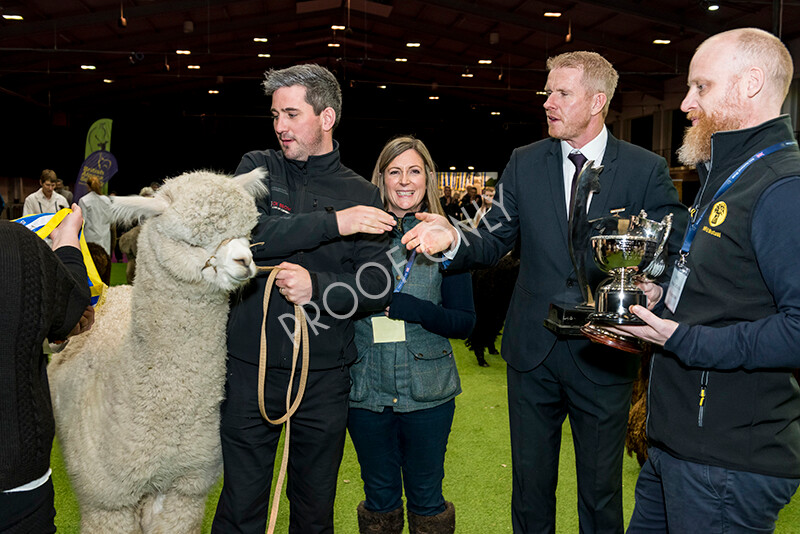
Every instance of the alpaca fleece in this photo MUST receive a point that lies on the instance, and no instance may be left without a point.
(137, 398)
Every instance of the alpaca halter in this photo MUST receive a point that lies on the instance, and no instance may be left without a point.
(214, 255)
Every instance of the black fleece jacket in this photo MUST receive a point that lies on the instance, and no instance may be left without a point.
(297, 224)
(721, 392)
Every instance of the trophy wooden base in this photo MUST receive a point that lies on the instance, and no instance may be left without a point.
(603, 336)
(567, 320)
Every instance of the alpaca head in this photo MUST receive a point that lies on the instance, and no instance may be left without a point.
(198, 226)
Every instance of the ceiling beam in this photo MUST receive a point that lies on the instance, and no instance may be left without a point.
(660, 16)
(155, 42)
(437, 31)
(26, 29)
(597, 39)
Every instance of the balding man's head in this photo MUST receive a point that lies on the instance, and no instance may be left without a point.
(757, 48)
(737, 79)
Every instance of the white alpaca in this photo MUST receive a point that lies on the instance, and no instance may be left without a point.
(137, 398)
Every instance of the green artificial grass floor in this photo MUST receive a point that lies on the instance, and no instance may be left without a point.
(477, 466)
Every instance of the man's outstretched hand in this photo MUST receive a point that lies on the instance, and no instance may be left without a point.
(434, 234)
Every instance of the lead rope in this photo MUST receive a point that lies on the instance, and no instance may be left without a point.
(300, 334)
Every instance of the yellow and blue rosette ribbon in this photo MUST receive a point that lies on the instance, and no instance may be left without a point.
(44, 223)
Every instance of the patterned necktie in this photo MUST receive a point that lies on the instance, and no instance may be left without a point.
(579, 160)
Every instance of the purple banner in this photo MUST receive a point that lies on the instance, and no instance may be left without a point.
(101, 164)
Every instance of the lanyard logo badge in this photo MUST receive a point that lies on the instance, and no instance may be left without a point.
(718, 214)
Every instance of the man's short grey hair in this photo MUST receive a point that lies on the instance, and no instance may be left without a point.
(322, 89)
(599, 75)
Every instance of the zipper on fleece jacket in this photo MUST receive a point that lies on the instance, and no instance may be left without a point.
(701, 404)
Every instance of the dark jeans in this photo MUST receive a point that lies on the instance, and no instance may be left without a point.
(538, 402)
(26, 512)
(402, 449)
(677, 496)
(249, 448)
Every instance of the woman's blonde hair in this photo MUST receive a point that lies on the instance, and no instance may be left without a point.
(394, 148)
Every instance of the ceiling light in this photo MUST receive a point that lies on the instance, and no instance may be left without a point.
(661, 41)
(194, 67)
(334, 45)
(412, 45)
(485, 61)
(471, 168)
(542, 93)
(381, 87)
(400, 59)
(337, 27)
(264, 55)
(213, 92)
(88, 67)
(466, 75)
(260, 39)
(452, 167)
(183, 52)
(553, 14)
(433, 98)
(108, 80)
(13, 17)
(495, 113)
(712, 6)
(122, 22)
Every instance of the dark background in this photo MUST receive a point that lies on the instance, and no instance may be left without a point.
(166, 136)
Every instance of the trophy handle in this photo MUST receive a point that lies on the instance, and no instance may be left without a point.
(658, 266)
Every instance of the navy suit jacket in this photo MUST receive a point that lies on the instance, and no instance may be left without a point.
(530, 204)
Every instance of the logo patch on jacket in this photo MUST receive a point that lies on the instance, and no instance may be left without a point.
(718, 214)
(280, 206)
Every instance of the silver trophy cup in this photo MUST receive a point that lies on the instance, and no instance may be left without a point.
(637, 252)
(623, 257)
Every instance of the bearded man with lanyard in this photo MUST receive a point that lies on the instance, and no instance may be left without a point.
(724, 421)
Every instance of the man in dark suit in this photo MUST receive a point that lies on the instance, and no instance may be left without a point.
(449, 203)
(551, 376)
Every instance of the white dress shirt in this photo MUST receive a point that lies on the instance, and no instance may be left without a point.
(38, 203)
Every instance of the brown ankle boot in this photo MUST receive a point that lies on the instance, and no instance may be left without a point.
(377, 523)
(443, 523)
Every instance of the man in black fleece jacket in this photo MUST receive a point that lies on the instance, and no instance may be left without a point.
(724, 421)
(311, 227)
(43, 294)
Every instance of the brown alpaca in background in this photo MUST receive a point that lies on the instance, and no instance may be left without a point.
(636, 439)
(491, 291)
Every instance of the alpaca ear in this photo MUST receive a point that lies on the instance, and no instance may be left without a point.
(126, 210)
(253, 182)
